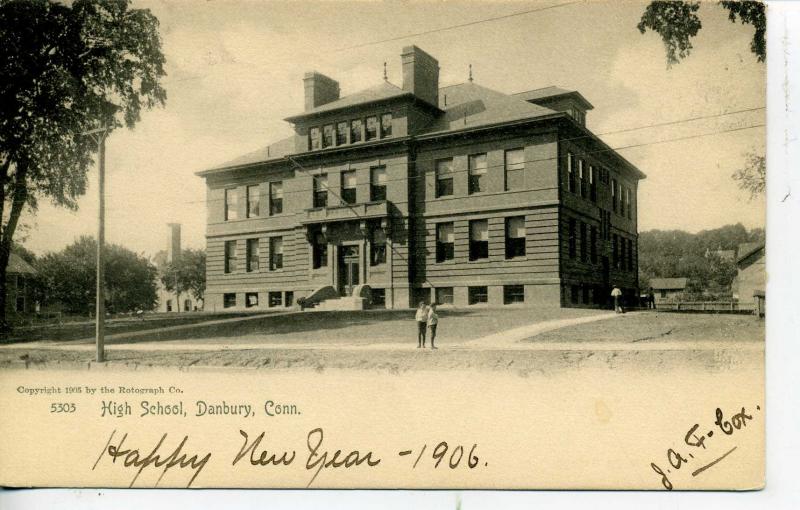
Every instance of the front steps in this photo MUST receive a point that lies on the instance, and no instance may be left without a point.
(347, 303)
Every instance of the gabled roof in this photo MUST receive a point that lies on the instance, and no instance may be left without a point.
(747, 249)
(668, 283)
(18, 265)
(468, 105)
(552, 92)
(380, 92)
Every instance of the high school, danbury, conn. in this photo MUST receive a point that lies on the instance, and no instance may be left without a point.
(460, 195)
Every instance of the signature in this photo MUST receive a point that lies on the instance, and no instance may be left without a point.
(133, 458)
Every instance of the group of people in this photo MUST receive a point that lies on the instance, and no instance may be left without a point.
(426, 318)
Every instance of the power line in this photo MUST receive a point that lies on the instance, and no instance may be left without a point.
(454, 27)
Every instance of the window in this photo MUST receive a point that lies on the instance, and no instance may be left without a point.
(187, 305)
(275, 198)
(377, 190)
(378, 298)
(478, 239)
(664, 294)
(628, 202)
(253, 206)
(275, 253)
(231, 204)
(320, 184)
(622, 259)
(593, 244)
(356, 127)
(574, 294)
(252, 255)
(476, 295)
(513, 294)
(315, 138)
(572, 238)
(515, 237)
(288, 299)
(349, 187)
(169, 305)
(444, 177)
(341, 133)
(444, 295)
(372, 128)
(386, 125)
(251, 299)
(592, 183)
(378, 247)
(274, 299)
(630, 255)
(327, 135)
(584, 251)
(477, 173)
(319, 252)
(230, 256)
(614, 251)
(445, 240)
(619, 197)
(614, 194)
(570, 173)
(585, 293)
(583, 180)
(228, 300)
(515, 169)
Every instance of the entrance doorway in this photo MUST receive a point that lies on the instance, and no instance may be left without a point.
(349, 258)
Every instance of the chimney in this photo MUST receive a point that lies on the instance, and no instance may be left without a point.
(173, 242)
(421, 74)
(319, 90)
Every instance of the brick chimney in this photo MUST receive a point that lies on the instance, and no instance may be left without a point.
(319, 90)
(421, 74)
(173, 242)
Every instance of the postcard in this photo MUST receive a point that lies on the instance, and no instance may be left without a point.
(462, 245)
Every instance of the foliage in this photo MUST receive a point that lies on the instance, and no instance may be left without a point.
(188, 273)
(677, 254)
(676, 21)
(65, 69)
(68, 277)
(753, 176)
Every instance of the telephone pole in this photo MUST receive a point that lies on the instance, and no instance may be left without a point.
(100, 328)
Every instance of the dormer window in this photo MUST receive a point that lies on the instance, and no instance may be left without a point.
(315, 138)
(372, 129)
(386, 125)
(327, 135)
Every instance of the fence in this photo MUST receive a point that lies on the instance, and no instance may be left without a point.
(707, 306)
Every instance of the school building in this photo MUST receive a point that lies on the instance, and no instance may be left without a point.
(395, 194)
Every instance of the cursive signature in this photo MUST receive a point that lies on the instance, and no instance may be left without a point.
(132, 458)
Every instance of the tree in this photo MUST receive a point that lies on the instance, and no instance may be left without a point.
(187, 274)
(68, 277)
(64, 71)
(752, 178)
(676, 21)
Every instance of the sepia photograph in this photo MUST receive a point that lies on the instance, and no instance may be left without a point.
(412, 233)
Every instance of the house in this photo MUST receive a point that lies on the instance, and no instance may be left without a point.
(167, 300)
(668, 289)
(724, 255)
(399, 194)
(20, 298)
(750, 281)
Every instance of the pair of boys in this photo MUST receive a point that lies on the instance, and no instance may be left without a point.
(426, 318)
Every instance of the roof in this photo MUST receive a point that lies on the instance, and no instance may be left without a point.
(273, 152)
(552, 92)
(18, 265)
(747, 249)
(380, 92)
(668, 283)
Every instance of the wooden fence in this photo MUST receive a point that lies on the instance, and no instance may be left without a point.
(707, 306)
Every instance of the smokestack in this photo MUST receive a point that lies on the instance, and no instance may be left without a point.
(319, 90)
(421, 74)
(173, 242)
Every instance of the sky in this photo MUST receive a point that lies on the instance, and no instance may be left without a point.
(235, 71)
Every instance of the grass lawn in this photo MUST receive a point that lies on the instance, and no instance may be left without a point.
(643, 327)
(455, 325)
(86, 329)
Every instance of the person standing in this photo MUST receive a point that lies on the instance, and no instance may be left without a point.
(422, 324)
(651, 298)
(433, 321)
(616, 294)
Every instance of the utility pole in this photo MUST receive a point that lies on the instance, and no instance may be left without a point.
(101, 239)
